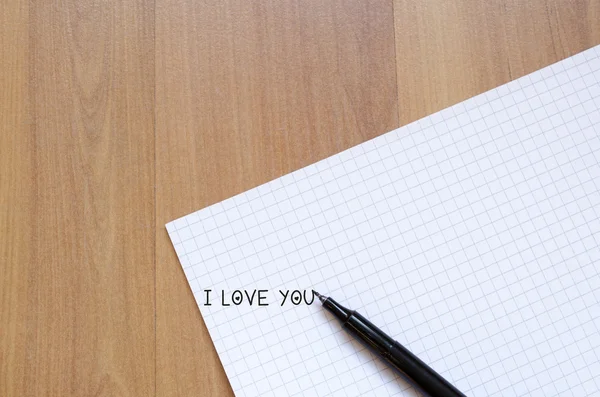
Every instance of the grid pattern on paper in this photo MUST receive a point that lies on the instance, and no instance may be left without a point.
(471, 236)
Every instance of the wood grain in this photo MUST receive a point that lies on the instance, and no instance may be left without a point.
(448, 51)
(246, 92)
(117, 116)
(80, 248)
(16, 196)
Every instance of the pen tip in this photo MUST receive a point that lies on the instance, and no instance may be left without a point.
(321, 297)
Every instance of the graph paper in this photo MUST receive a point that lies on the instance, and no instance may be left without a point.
(470, 236)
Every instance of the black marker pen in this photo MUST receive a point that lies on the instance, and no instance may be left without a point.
(393, 352)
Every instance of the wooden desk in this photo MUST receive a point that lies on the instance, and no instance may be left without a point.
(120, 115)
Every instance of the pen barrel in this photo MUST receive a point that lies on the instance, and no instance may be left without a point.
(400, 357)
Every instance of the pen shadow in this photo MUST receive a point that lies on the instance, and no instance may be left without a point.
(374, 366)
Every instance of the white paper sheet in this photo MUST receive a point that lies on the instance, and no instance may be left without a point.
(471, 236)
